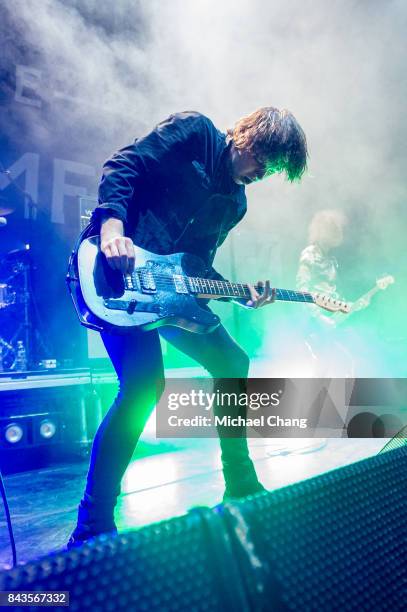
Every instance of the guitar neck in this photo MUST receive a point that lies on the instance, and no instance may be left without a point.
(204, 287)
(369, 294)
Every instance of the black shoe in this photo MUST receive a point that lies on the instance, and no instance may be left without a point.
(83, 533)
(240, 476)
(95, 516)
(242, 491)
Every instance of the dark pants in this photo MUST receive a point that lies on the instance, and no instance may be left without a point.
(137, 360)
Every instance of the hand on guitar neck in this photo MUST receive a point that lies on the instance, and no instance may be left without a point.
(360, 304)
(267, 296)
(364, 301)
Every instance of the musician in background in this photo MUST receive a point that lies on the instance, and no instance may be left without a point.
(326, 340)
(180, 188)
(317, 273)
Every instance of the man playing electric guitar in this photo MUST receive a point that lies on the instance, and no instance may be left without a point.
(179, 188)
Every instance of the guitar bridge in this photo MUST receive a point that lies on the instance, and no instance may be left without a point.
(132, 306)
(114, 304)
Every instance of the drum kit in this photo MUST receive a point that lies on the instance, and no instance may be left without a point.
(15, 306)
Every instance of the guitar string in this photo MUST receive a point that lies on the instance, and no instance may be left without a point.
(291, 295)
(281, 294)
(224, 283)
(164, 278)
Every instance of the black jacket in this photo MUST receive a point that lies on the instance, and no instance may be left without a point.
(172, 189)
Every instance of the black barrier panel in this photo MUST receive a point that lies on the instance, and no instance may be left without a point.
(167, 566)
(334, 542)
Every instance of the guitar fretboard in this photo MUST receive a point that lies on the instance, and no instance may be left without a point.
(207, 286)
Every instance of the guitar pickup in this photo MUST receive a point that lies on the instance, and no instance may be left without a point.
(147, 281)
(180, 284)
(129, 282)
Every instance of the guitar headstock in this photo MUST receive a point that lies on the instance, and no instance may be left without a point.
(330, 304)
(385, 281)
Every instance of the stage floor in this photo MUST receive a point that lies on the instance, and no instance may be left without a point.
(170, 477)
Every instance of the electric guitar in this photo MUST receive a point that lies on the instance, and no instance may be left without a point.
(162, 290)
(364, 301)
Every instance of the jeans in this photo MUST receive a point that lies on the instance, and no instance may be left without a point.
(137, 359)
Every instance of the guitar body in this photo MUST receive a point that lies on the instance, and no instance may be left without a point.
(154, 295)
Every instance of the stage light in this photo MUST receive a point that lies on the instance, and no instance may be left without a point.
(13, 433)
(47, 429)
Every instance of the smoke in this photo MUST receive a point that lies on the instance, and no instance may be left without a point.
(339, 66)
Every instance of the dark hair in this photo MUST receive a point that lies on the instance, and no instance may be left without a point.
(276, 138)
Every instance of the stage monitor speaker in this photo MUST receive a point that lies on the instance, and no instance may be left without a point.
(173, 565)
(334, 542)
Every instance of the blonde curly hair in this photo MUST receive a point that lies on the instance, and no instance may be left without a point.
(323, 222)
